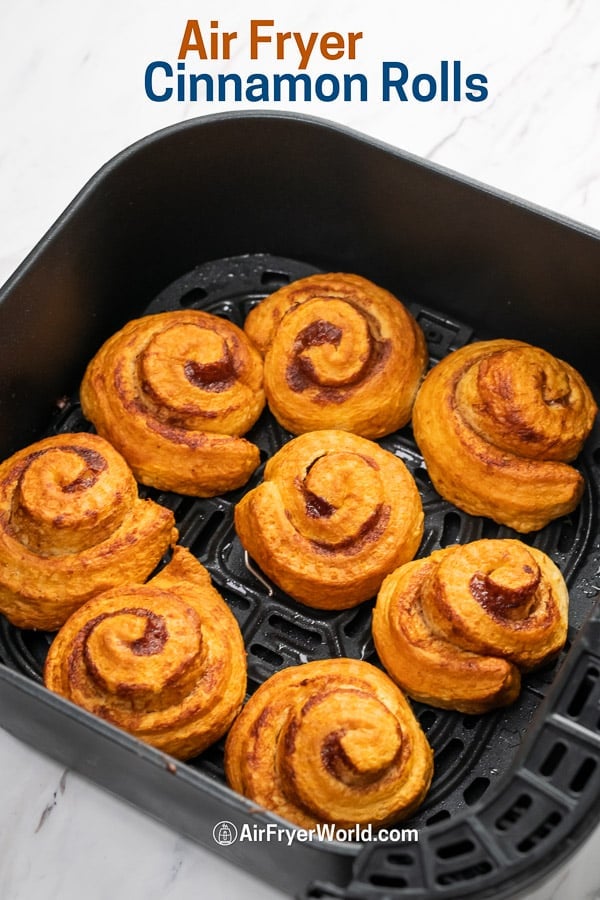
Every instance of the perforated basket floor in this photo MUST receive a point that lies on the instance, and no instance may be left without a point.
(513, 790)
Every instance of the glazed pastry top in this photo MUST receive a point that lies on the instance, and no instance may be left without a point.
(330, 741)
(174, 392)
(497, 422)
(334, 514)
(163, 660)
(340, 352)
(457, 628)
(71, 526)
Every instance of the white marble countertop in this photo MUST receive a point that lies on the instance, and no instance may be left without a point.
(72, 96)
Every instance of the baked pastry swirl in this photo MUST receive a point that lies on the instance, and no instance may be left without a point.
(164, 661)
(174, 392)
(340, 352)
(331, 741)
(334, 514)
(457, 629)
(72, 525)
(496, 422)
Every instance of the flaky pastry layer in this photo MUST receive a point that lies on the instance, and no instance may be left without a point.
(340, 352)
(164, 661)
(174, 392)
(71, 526)
(332, 741)
(334, 514)
(456, 629)
(497, 422)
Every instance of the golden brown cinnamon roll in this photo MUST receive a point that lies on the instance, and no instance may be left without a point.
(72, 525)
(173, 392)
(332, 741)
(496, 422)
(164, 661)
(334, 514)
(340, 352)
(457, 629)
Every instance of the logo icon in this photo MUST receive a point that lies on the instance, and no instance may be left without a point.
(225, 833)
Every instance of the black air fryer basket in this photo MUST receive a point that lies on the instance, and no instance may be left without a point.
(215, 214)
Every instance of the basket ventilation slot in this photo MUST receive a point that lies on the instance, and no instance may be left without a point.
(193, 297)
(475, 791)
(514, 813)
(539, 834)
(583, 775)
(553, 759)
(478, 870)
(273, 279)
(583, 692)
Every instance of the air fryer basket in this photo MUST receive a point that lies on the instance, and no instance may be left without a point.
(515, 791)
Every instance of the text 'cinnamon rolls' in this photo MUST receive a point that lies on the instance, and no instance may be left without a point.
(457, 629)
(334, 514)
(330, 742)
(164, 661)
(496, 422)
(72, 525)
(340, 352)
(174, 392)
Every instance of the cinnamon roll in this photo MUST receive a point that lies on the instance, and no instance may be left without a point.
(334, 514)
(458, 628)
(497, 422)
(72, 525)
(332, 741)
(174, 392)
(164, 661)
(340, 352)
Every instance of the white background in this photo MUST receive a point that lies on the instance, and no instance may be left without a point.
(72, 96)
